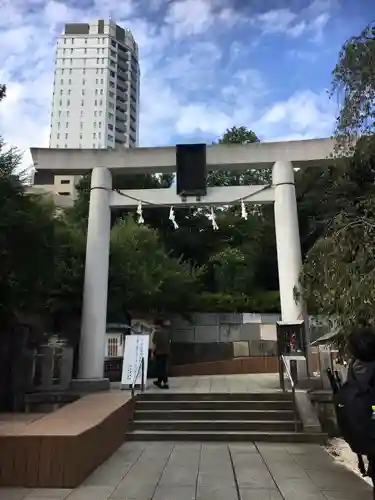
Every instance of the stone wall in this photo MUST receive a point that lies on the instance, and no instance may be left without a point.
(217, 337)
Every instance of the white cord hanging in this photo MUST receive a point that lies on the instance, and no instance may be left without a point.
(172, 218)
(243, 210)
(212, 218)
(140, 213)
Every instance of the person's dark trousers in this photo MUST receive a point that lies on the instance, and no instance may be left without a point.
(162, 368)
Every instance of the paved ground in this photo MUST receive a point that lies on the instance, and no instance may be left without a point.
(194, 471)
(260, 382)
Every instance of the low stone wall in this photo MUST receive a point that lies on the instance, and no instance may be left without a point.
(228, 367)
(61, 449)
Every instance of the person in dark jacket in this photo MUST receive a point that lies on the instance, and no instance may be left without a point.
(361, 344)
(160, 354)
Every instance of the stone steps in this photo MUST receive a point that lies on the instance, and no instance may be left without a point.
(228, 436)
(162, 416)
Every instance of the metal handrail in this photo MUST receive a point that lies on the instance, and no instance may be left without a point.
(293, 386)
(141, 366)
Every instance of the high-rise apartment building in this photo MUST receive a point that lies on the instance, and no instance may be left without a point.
(96, 87)
(95, 94)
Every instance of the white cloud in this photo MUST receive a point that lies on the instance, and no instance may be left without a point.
(309, 21)
(191, 83)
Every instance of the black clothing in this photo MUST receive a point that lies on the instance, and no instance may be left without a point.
(161, 368)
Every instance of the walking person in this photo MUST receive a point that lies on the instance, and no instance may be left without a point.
(355, 399)
(160, 353)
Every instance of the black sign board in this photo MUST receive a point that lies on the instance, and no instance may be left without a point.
(291, 338)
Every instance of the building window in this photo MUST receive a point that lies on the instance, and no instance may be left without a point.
(100, 124)
(84, 62)
(110, 126)
(57, 136)
(85, 41)
(65, 40)
(85, 51)
(58, 124)
(81, 125)
(83, 81)
(70, 71)
(59, 113)
(102, 81)
(97, 81)
(82, 102)
(62, 71)
(65, 146)
(66, 136)
(83, 91)
(101, 102)
(84, 70)
(95, 113)
(81, 113)
(69, 91)
(97, 60)
(61, 92)
(112, 73)
(80, 136)
(96, 102)
(71, 51)
(111, 105)
(72, 40)
(67, 113)
(102, 70)
(65, 181)
(100, 113)
(97, 71)
(103, 50)
(112, 63)
(66, 124)
(110, 116)
(111, 94)
(97, 51)
(68, 102)
(63, 61)
(101, 91)
(94, 135)
(99, 135)
(71, 61)
(94, 124)
(102, 60)
(70, 81)
(61, 82)
(96, 91)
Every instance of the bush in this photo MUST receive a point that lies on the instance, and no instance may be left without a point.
(262, 302)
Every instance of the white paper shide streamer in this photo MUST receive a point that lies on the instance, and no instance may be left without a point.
(140, 213)
(243, 210)
(172, 218)
(212, 218)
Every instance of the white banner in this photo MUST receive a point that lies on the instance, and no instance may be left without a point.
(136, 348)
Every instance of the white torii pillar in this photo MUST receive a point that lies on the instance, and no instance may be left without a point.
(289, 257)
(95, 289)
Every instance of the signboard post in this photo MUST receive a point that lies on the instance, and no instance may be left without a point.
(136, 348)
(291, 344)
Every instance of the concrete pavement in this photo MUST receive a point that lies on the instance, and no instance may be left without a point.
(195, 471)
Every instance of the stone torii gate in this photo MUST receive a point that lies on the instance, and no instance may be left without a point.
(282, 157)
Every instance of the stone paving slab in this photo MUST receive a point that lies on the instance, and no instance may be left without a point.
(210, 471)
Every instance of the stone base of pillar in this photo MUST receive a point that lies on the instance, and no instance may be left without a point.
(90, 385)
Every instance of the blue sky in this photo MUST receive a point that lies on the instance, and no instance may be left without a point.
(206, 65)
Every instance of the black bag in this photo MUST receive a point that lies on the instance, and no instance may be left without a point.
(354, 402)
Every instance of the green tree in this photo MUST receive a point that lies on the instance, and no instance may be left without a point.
(354, 84)
(143, 276)
(239, 135)
(338, 273)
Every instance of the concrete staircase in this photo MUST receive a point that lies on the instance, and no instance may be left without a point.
(218, 417)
